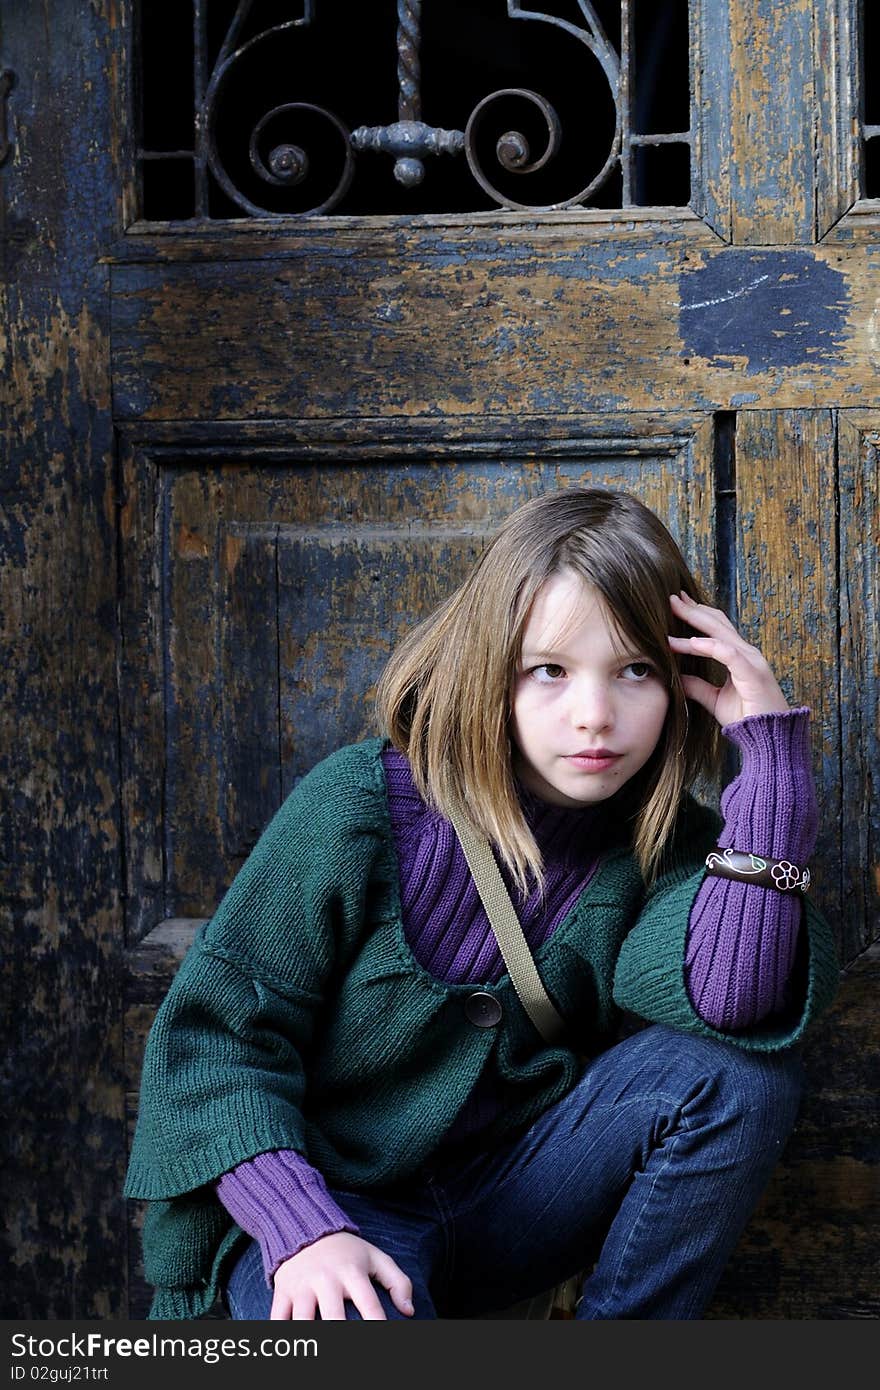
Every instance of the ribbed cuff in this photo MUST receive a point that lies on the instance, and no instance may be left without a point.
(770, 807)
(649, 980)
(281, 1200)
(739, 952)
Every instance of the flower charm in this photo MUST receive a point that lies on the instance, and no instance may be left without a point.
(785, 874)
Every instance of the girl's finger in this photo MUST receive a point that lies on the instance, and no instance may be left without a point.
(305, 1307)
(745, 663)
(392, 1278)
(364, 1297)
(281, 1307)
(714, 647)
(698, 614)
(684, 597)
(705, 694)
(331, 1305)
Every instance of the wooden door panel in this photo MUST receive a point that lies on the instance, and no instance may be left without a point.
(807, 587)
(807, 503)
(786, 482)
(278, 592)
(650, 316)
(859, 508)
(772, 191)
(385, 319)
(838, 90)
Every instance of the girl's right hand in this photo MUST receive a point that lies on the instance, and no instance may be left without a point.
(321, 1277)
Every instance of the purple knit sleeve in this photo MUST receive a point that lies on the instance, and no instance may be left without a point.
(741, 938)
(279, 1198)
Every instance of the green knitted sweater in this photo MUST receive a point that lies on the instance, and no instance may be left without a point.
(300, 1018)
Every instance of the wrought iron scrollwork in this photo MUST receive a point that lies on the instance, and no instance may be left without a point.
(285, 162)
(288, 164)
(512, 149)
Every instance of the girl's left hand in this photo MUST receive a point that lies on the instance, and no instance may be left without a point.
(750, 688)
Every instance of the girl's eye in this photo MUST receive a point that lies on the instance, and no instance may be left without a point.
(641, 670)
(547, 674)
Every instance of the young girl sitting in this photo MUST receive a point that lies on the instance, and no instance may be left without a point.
(346, 1112)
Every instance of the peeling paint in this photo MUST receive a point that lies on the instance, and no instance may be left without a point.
(64, 1255)
(740, 305)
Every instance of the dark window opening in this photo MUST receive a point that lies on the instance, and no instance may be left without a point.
(292, 107)
(870, 36)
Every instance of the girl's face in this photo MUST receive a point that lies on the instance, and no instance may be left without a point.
(584, 719)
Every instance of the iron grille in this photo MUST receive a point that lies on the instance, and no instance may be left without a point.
(294, 108)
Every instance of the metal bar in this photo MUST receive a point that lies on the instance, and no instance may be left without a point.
(683, 138)
(409, 68)
(625, 98)
(200, 83)
(165, 154)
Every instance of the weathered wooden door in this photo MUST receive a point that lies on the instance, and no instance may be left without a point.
(294, 312)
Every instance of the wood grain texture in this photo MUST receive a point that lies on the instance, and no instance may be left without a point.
(859, 511)
(141, 681)
(62, 1252)
(787, 599)
(837, 63)
(442, 323)
(773, 116)
(711, 121)
(284, 588)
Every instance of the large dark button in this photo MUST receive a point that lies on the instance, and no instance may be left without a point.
(483, 1010)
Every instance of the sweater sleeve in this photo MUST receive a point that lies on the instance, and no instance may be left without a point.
(649, 977)
(283, 1202)
(223, 1074)
(742, 938)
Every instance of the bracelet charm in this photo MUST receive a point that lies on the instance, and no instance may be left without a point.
(780, 874)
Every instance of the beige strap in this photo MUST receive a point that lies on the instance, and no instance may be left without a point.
(506, 926)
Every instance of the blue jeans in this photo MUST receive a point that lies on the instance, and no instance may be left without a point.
(645, 1174)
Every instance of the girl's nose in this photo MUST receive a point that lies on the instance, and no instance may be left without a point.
(591, 707)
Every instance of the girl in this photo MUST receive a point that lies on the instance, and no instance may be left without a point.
(345, 1110)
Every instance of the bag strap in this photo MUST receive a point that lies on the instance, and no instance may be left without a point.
(506, 926)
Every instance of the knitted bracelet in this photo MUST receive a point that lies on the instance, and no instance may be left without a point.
(752, 868)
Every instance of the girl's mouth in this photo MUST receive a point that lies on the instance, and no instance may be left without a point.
(593, 762)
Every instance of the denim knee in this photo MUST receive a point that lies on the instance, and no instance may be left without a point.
(762, 1090)
(763, 1087)
(772, 1082)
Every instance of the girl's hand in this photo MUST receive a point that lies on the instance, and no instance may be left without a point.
(750, 688)
(337, 1267)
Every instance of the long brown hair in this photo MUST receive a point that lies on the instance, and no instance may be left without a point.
(444, 698)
